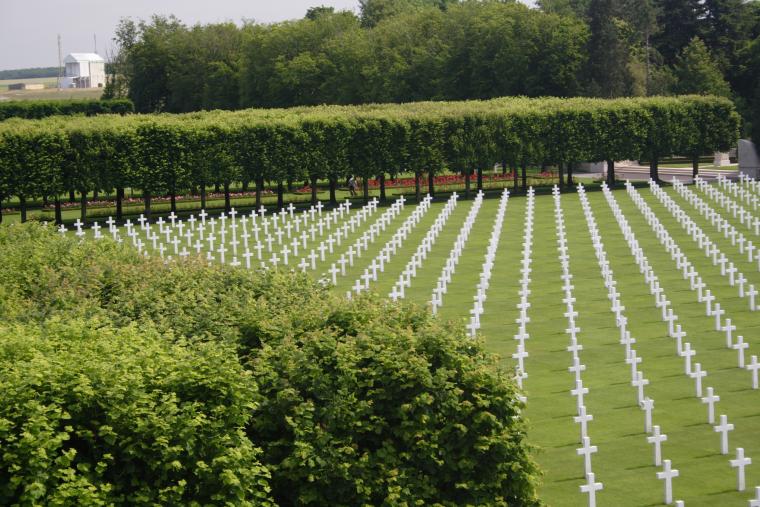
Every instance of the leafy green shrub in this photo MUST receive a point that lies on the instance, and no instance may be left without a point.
(93, 415)
(36, 109)
(360, 402)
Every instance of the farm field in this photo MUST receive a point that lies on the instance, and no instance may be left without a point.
(624, 461)
(49, 93)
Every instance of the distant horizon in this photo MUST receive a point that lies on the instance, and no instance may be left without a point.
(28, 31)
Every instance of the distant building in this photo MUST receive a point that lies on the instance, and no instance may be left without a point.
(26, 86)
(84, 70)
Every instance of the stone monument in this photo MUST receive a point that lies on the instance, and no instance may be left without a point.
(749, 161)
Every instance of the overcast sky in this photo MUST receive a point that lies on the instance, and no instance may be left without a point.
(28, 28)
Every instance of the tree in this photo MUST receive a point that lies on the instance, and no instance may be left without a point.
(608, 53)
(697, 72)
(373, 12)
(313, 13)
(679, 22)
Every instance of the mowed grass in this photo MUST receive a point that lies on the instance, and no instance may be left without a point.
(624, 461)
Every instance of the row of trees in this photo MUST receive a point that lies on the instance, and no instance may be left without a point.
(392, 53)
(406, 50)
(168, 154)
(36, 109)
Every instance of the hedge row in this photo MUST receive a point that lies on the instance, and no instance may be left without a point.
(126, 381)
(166, 154)
(36, 109)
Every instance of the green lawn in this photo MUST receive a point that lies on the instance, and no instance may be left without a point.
(624, 462)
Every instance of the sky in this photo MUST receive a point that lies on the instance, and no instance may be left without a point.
(29, 28)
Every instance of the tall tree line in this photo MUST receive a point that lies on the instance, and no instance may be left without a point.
(409, 50)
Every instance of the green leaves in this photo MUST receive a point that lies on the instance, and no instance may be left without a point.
(130, 382)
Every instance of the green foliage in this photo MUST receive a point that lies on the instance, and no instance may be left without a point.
(697, 72)
(131, 382)
(35, 109)
(165, 154)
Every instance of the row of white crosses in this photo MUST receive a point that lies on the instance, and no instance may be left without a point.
(696, 283)
(721, 224)
(684, 350)
(334, 240)
(741, 192)
(177, 232)
(583, 417)
(746, 218)
(749, 184)
(710, 248)
(525, 270)
(452, 261)
(390, 248)
(653, 432)
(423, 249)
(321, 224)
(485, 273)
(362, 243)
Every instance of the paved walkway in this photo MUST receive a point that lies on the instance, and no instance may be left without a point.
(641, 173)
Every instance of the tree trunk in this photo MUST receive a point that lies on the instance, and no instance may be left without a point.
(44, 201)
(480, 178)
(313, 184)
(365, 187)
(280, 194)
(22, 204)
(654, 169)
(610, 173)
(147, 197)
(514, 175)
(245, 186)
(95, 195)
(466, 183)
(72, 197)
(503, 167)
(119, 203)
(83, 207)
(216, 187)
(431, 183)
(695, 166)
(417, 191)
(58, 214)
(382, 188)
(570, 181)
(333, 188)
(259, 189)
(203, 195)
(524, 171)
(227, 206)
(561, 174)
(290, 185)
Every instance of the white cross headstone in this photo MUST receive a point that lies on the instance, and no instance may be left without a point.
(591, 488)
(739, 464)
(723, 428)
(697, 375)
(667, 475)
(657, 439)
(753, 366)
(586, 451)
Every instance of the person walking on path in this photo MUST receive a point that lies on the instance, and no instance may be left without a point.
(352, 186)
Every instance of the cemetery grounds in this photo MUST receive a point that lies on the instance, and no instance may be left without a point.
(612, 290)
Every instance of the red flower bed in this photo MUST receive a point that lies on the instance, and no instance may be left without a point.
(450, 179)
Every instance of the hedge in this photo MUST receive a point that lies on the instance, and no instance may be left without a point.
(167, 154)
(127, 381)
(36, 109)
